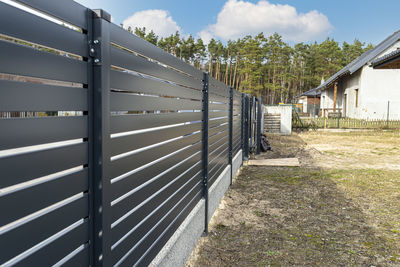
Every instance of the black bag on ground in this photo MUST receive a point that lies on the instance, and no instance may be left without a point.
(265, 145)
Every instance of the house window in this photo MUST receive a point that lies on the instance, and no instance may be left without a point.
(356, 98)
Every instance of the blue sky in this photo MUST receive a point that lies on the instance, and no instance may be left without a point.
(297, 20)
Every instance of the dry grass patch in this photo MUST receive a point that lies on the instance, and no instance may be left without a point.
(309, 216)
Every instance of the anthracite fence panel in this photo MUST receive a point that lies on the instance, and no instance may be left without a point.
(155, 172)
(218, 129)
(116, 143)
(237, 122)
(44, 196)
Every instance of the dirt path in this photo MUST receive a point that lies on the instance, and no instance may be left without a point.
(340, 208)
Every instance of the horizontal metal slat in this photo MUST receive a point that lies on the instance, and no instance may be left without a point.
(216, 153)
(161, 202)
(22, 60)
(132, 62)
(59, 248)
(217, 129)
(24, 167)
(221, 152)
(132, 201)
(213, 123)
(214, 106)
(237, 130)
(131, 184)
(237, 155)
(236, 138)
(215, 167)
(217, 114)
(32, 199)
(217, 137)
(237, 118)
(219, 84)
(218, 90)
(217, 98)
(236, 148)
(237, 124)
(237, 106)
(19, 132)
(67, 10)
(131, 142)
(127, 102)
(217, 140)
(41, 31)
(215, 93)
(223, 139)
(236, 110)
(80, 259)
(125, 81)
(124, 123)
(137, 179)
(219, 168)
(21, 96)
(192, 198)
(162, 240)
(129, 163)
(39, 229)
(122, 37)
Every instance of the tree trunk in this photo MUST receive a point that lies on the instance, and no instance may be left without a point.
(210, 65)
(230, 72)
(235, 72)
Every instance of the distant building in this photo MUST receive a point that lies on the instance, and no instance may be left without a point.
(310, 101)
(360, 91)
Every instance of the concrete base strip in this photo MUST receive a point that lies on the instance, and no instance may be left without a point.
(237, 162)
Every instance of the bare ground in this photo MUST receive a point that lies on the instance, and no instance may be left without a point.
(340, 208)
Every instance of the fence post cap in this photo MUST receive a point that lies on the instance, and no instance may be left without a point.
(100, 13)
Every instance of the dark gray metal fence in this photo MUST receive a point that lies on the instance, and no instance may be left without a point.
(148, 135)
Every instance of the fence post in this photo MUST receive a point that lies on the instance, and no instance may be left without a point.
(251, 123)
(91, 137)
(338, 116)
(99, 47)
(387, 120)
(205, 148)
(246, 127)
(242, 126)
(230, 129)
(258, 132)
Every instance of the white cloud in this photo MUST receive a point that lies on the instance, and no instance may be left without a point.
(206, 36)
(239, 18)
(158, 20)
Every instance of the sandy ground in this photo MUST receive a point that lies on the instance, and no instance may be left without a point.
(341, 207)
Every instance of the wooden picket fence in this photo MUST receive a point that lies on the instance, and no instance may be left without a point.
(345, 123)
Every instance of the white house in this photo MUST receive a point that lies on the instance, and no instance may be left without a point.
(360, 91)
